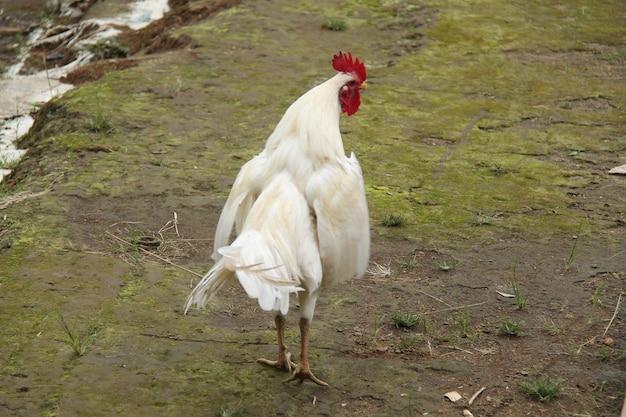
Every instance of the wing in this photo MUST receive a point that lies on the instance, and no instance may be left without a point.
(243, 194)
(282, 216)
(336, 194)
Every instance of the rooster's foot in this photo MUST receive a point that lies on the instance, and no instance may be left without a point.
(301, 374)
(284, 363)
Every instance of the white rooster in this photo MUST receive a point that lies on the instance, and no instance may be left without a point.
(299, 211)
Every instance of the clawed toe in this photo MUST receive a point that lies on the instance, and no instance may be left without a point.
(285, 363)
(301, 375)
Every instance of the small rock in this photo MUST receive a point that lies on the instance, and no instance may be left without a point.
(54, 57)
(609, 341)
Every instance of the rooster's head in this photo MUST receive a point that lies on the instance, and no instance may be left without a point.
(349, 94)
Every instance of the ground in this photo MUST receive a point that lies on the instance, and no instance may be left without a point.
(488, 130)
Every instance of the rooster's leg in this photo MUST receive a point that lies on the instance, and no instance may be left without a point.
(303, 371)
(284, 357)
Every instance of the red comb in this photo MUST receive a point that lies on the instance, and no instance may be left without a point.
(345, 63)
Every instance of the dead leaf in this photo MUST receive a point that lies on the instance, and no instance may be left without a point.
(453, 396)
(506, 295)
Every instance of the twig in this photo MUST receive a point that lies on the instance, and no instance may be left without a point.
(619, 298)
(207, 239)
(455, 308)
(464, 136)
(167, 261)
(184, 339)
(176, 224)
(25, 195)
(476, 394)
(124, 222)
(435, 298)
(226, 342)
(458, 348)
(169, 225)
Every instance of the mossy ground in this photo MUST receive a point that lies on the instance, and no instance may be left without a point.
(488, 126)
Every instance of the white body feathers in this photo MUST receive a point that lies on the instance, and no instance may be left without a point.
(299, 211)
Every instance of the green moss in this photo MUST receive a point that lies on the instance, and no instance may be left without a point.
(505, 162)
(133, 284)
(474, 65)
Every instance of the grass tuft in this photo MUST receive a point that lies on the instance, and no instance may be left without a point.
(79, 342)
(520, 300)
(228, 412)
(549, 326)
(568, 262)
(543, 388)
(336, 25)
(377, 326)
(409, 264)
(108, 48)
(462, 321)
(595, 301)
(511, 327)
(98, 123)
(9, 163)
(410, 342)
(444, 266)
(404, 319)
(393, 220)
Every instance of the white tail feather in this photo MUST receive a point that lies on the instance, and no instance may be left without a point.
(259, 269)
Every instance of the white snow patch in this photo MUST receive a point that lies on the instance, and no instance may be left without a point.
(21, 94)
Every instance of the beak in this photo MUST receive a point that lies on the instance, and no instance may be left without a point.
(363, 86)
